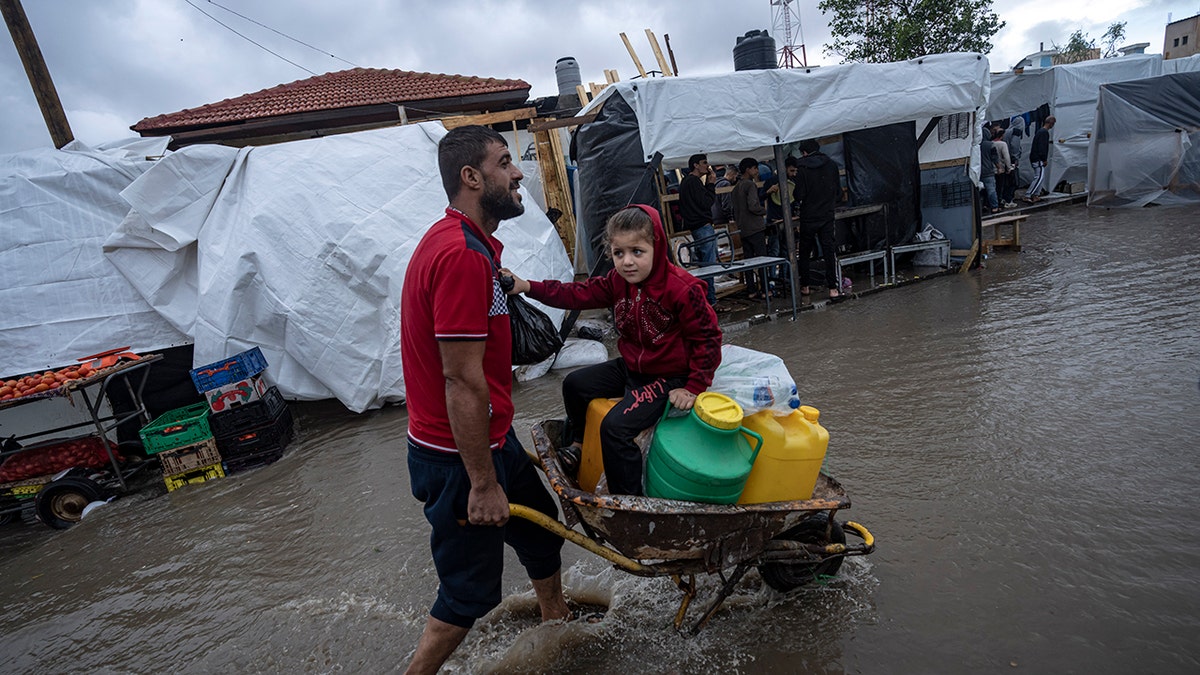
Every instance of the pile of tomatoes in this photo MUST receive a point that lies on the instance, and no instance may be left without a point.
(87, 452)
(37, 384)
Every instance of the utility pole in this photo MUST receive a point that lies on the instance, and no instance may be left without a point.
(35, 69)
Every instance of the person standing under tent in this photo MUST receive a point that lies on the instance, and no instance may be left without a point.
(748, 212)
(1012, 138)
(1039, 154)
(697, 193)
(464, 460)
(989, 157)
(1003, 165)
(818, 190)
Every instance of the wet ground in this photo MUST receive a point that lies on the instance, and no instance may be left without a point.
(1021, 440)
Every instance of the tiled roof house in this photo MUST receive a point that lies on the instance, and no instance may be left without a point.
(337, 102)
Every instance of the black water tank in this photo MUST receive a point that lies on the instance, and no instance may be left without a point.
(754, 51)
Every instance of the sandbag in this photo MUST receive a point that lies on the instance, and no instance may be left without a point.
(577, 353)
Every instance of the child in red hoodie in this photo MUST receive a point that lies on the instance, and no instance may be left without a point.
(668, 338)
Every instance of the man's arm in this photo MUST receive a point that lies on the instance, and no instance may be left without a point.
(467, 408)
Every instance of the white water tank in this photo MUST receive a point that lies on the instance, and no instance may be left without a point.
(567, 71)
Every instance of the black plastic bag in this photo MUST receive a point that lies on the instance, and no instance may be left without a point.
(534, 337)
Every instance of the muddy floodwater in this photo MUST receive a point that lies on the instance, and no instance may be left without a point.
(1024, 442)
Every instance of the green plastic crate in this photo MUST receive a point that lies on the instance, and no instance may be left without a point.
(177, 428)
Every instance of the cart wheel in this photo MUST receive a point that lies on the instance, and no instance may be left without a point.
(61, 503)
(784, 577)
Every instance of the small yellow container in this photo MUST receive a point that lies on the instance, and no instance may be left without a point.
(591, 466)
(793, 449)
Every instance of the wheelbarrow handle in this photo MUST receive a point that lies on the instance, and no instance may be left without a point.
(552, 525)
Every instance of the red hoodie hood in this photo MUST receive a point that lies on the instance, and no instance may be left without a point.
(662, 258)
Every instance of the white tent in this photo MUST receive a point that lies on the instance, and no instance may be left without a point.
(62, 298)
(749, 112)
(1146, 144)
(300, 249)
(1071, 92)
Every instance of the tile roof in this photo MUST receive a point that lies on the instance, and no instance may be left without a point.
(342, 89)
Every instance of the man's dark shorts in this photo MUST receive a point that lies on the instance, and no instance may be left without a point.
(470, 558)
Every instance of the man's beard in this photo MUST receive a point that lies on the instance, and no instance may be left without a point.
(498, 202)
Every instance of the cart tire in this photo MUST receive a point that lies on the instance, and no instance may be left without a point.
(785, 577)
(60, 504)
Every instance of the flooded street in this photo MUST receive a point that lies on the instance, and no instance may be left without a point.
(1021, 441)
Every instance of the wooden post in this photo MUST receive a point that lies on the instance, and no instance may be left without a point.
(36, 71)
(662, 60)
(636, 61)
(785, 203)
(555, 185)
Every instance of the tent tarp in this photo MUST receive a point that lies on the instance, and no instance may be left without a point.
(300, 249)
(751, 111)
(1146, 144)
(62, 298)
(1071, 91)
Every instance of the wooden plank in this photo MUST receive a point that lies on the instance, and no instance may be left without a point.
(583, 97)
(547, 124)
(662, 60)
(595, 89)
(556, 187)
(610, 76)
(971, 253)
(944, 164)
(636, 61)
(489, 118)
(1003, 220)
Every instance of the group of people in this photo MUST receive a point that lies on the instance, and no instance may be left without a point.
(815, 189)
(464, 459)
(1000, 161)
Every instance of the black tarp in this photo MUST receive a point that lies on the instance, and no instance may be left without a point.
(612, 170)
(882, 168)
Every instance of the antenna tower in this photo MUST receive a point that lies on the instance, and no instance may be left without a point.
(785, 20)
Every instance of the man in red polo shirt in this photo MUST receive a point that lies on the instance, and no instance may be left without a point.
(464, 460)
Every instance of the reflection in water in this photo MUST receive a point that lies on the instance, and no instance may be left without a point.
(1021, 441)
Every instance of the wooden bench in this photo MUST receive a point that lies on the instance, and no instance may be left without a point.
(1013, 241)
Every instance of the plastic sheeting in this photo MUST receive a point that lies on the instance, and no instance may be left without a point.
(1146, 144)
(609, 148)
(62, 298)
(300, 249)
(1072, 92)
(882, 169)
(750, 112)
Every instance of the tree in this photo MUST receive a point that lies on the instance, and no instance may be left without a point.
(1079, 47)
(879, 31)
(1114, 35)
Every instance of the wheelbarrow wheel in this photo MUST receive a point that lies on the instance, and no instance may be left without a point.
(785, 577)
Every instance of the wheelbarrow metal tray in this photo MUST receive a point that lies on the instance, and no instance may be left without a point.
(716, 536)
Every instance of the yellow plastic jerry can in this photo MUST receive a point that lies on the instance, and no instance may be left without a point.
(794, 447)
(591, 466)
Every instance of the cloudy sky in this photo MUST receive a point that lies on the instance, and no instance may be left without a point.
(115, 62)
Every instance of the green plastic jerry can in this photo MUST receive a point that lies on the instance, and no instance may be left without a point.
(704, 456)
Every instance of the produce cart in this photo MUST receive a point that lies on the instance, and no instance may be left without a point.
(81, 462)
(791, 543)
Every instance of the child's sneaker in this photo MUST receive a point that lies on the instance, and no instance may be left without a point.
(569, 458)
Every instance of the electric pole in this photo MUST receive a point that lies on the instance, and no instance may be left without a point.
(35, 69)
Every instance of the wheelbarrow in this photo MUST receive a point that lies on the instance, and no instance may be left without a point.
(790, 543)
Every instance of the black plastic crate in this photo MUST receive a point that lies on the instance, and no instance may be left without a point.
(273, 436)
(252, 461)
(249, 416)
